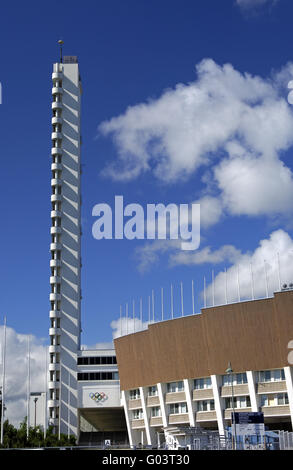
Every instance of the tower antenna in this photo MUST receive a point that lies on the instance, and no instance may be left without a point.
(60, 42)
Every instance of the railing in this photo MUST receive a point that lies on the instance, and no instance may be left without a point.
(286, 440)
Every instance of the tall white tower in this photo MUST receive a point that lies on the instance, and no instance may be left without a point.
(65, 261)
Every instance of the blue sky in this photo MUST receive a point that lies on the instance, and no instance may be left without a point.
(235, 157)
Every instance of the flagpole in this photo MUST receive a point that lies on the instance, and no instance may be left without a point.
(60, 400)
(279, 270)
(3, 378)
(226, 287)
(192, 293)
(46, 378)
(120, 320)
(140, 306)
(266, 278)
(28, 385)
(213, 287)
(68, 406)
(238, 282)
(182, 306)
(133, 313)
(172, 305)
(251, 275)
(153, 305)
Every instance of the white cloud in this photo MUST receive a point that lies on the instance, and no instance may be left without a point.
(101, 345)
(17, 371)
(252, 4)
(149, 254)
(235, 125)
(211, 209)
(255, 186)
(226, 253)
(185, 128)
(127, 325)
(264, 265)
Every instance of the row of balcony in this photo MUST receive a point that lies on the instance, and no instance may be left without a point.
(56, 120)
(57, 90)
(57, 76)
(56, 151)
(55, 263)
(56, 105)
(55, 314)
(56, 182)
(206, 416)
(206, 394)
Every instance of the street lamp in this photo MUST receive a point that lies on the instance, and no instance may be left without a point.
(35, 400)
(229, 371)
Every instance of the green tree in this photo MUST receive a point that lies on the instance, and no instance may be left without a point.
(17, 438)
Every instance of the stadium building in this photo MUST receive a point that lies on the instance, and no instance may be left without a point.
(197, 370)
(171, 376)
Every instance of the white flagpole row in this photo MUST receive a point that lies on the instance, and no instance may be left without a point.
(207, 292)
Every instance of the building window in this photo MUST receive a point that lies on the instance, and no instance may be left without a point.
(97, 376)
(96, 360)
(243, 402)
(226, 380)
(206, 405)
(137, 414)
(175, 387)
(156, 411)
(205, 382)
(177, 408)
(241, 378)
(134, 394)
(238, 379)
(274, 399)
(271, 375)
(264, 400)
(282, 399)
(153, 391)
(238, 402)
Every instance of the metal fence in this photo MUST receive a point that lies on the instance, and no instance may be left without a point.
(286, 440)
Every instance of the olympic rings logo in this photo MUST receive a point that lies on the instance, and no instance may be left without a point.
(98, 397)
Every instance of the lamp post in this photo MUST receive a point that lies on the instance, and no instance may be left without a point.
(35, 400)
(229, 371)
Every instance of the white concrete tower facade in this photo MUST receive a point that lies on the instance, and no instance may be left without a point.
(65, 264)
